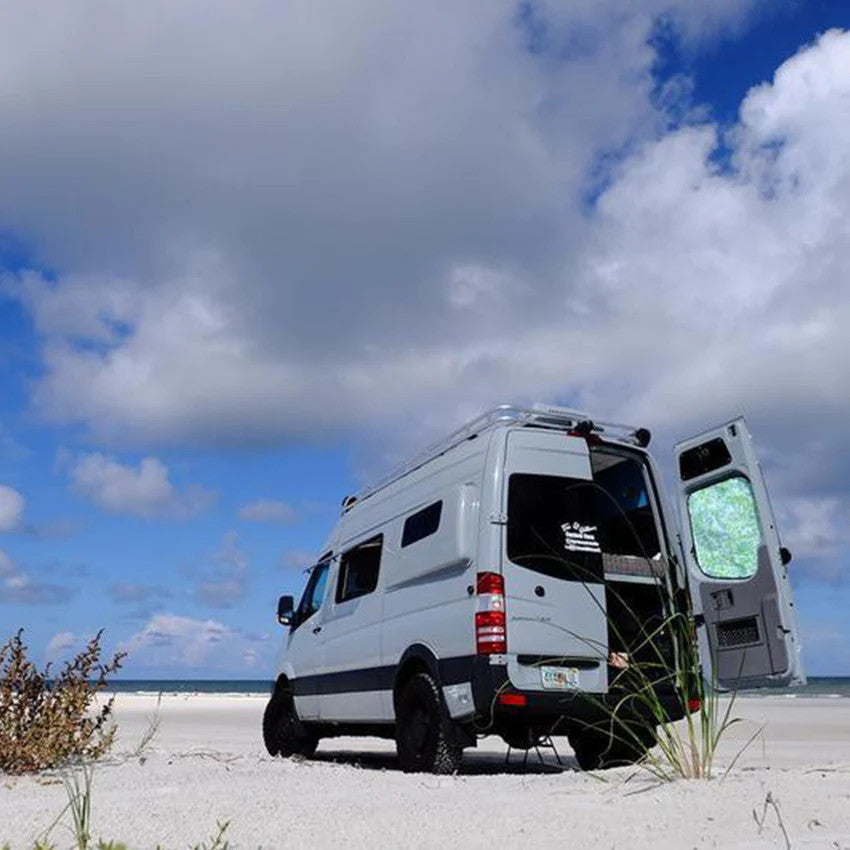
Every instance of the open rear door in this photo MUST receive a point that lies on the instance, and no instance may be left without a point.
(736, 570)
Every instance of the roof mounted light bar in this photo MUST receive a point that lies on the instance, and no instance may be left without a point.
(539, 415)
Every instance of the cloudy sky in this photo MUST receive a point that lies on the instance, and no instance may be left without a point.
(251, 253)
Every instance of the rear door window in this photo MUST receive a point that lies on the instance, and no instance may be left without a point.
(725, 528)
(553, 528)
(580, 530)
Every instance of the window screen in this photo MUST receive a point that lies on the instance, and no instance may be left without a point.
(725, 528)
(421, 524)
(358, 570)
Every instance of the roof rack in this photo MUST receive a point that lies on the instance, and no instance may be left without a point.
(539, 415)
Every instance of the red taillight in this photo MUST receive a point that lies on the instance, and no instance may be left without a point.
(512, 699)
(491, 583)
(490, 623)
(694, 705)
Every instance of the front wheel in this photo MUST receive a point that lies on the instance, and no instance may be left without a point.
(283, 733)
(423, 741)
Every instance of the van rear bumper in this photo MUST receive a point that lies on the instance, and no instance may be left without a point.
(497, 699)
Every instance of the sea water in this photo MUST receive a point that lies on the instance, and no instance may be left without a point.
(818, 686)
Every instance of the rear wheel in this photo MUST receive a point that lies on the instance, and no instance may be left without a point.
(283, 733)
(597, 749)
(423, 741)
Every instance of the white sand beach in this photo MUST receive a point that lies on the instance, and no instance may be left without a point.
(207, 764)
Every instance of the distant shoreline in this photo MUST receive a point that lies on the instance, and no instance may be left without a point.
(835, 687)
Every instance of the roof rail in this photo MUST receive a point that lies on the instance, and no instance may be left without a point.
(540, 415)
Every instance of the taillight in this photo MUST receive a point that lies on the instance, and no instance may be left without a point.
(512, 699)
(490, 624)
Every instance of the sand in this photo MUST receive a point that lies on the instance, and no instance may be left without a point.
(207, 764)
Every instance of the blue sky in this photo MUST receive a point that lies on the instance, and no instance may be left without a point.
(249, 259)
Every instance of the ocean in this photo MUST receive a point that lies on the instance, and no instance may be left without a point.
(818, 686)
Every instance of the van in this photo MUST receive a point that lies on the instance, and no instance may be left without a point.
(507, 580)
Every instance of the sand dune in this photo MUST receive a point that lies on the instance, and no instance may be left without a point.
(207, 764)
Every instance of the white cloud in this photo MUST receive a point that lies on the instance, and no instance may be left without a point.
(169, 641)
(410, 198)
(268, 510)
(224, 583)
(18, 587)
(59, 645)
(130, 592)
(143, 492)
(396, 236)
(11, 508)
(297, 559)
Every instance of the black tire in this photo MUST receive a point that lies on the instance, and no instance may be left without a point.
(423, 740)
(283, 733)
(596, 749)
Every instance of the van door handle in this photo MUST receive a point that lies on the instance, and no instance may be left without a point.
(317, 630)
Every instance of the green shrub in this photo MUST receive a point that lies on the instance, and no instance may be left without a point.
(47, 720)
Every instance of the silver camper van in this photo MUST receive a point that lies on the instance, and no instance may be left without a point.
(524, 577)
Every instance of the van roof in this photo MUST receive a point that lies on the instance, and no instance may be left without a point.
(546, 416)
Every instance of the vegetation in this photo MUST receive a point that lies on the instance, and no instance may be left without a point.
(46, 721)
(686, 749)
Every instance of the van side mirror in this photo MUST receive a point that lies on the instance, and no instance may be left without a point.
(785, 555)
(285, 607)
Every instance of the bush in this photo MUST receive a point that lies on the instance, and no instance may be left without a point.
(44, 721)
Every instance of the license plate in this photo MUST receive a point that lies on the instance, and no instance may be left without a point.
(559, 678)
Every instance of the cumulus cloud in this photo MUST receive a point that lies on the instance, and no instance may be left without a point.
(268, 510)
(452, 207)
(170, 641)
(127, 592)
(18, 587)
(145, 491)
(11, 508)
(60, 645)
(224, 582)
(432, 162)
(297, 559)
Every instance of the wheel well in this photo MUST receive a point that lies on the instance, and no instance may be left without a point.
(407, 670)
(281, 683)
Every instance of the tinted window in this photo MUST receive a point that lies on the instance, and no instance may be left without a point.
(553, 527)
(358, 570)
(578, 529)
(725, 527)
(313, 596)
(703, 458)
(627, 530)
(421, 524)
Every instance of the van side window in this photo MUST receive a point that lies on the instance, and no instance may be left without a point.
(421, 524)
(314, 595)
(358, 569)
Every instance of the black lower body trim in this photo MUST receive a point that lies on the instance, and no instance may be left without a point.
(451, 670)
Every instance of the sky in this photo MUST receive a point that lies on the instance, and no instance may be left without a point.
(253, 254)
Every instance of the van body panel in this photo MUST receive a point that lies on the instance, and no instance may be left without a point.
(351, 640)
(301, 657)
(549, 615)
(737, 578)
(426, 598)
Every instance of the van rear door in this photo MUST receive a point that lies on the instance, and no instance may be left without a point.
(552, 564)
(736, 569)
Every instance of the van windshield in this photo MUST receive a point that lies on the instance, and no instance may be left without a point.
(581, 530)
